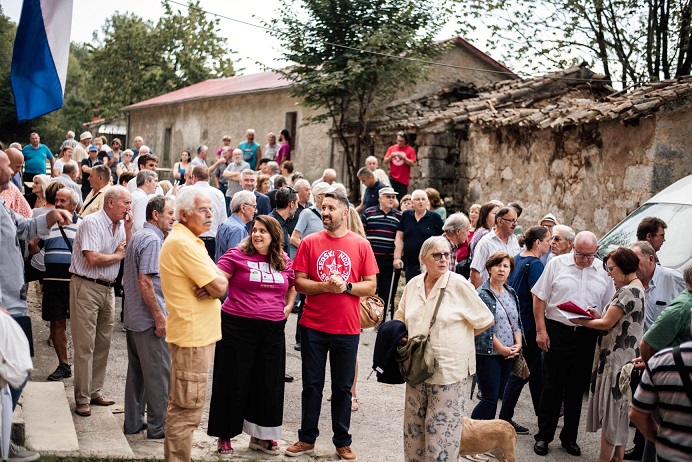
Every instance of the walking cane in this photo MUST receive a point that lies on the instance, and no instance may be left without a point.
(397, 273)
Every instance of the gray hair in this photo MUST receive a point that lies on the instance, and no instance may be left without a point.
(241, 198)
(144, 149)
(157, 204)
(567, 232)
(146, 175)
(428, 248)
(366, 172)
(74, 196)
(250, 131)
(202, 148)
(300, 184)
(646, 248)
(69, 169)
(455, 221)
(687, 276)
(185, 200)
(16, 145)
(273, 166)
(237, 151)
(70, 134)
(248, 171)
(419, 192)
(114, 192)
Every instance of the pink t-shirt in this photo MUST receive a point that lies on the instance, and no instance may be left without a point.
(255, 290)
(320, 255)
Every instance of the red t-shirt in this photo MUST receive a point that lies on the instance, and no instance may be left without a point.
(255, 290)
(318, 256)
(398, 169)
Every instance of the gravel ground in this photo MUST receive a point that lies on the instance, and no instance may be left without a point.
(376, 427)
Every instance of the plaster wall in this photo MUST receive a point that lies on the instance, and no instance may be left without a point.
(193, 123)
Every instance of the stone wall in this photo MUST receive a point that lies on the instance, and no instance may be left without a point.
(589, 176)
(193, 123)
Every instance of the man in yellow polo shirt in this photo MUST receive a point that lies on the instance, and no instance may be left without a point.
(191, 285)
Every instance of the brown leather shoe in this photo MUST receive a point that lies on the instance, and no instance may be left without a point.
(101, 401)
(83, 409)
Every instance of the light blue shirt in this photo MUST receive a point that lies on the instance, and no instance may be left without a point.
(665, 285)
(229, 235)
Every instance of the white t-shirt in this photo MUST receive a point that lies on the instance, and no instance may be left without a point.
(59, 164)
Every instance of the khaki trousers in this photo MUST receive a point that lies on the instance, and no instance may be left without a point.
(91, 318)
(189, 373)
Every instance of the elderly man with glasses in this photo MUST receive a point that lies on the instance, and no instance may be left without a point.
(500, 239)
(580, 278)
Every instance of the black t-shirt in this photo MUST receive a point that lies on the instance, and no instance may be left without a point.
(371, 198)
(86, 186)
(416, 232)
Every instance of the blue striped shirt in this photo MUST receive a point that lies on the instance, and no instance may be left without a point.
(56, 250)
(380, 229)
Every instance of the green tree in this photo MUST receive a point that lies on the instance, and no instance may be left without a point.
(347, 86)
(633, 41)
(135, 60)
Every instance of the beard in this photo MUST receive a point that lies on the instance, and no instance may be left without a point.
(332, 225)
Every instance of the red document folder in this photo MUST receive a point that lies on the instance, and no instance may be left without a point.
(574, 308)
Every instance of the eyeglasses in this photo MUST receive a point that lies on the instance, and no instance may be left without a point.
(205, 210)
(610, 269)
(589, 256)
(507, 220)
(437, 256)
(556, 239)
(254, 206)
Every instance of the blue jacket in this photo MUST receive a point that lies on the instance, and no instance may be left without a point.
(484, 341)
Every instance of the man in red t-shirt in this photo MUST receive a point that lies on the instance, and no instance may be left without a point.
(334, 268)
(400, 158)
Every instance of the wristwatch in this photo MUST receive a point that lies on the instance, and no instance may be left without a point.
(349, 286)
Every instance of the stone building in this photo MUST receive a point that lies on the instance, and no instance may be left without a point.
(204, 112)
(565, 143)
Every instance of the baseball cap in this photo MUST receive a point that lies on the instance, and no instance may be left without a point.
(93, 148)
(387, 190)
(322, 188)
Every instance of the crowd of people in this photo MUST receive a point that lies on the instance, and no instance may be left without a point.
(211, 264)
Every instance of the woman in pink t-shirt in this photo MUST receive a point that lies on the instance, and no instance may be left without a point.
(250, 362)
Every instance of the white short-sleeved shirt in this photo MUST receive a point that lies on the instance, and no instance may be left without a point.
(488, 245)
(563, 281)
(461, 311)
(95, 234)
(665, 285)
(59, 164)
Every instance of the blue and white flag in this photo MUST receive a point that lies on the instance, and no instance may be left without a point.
(41, 53)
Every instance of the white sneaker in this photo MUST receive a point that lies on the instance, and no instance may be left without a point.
(20, 454)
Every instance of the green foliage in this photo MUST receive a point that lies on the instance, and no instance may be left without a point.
(137, 60)
(633, 41)
(345, 85)
(130, 61)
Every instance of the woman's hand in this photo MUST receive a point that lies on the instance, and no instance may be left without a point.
(403, 340)
(593, 312)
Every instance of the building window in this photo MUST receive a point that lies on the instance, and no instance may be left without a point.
(291, 124)
(167, 154)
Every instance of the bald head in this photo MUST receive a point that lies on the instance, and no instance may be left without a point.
(585, 238)
(16, 158)
(585, 248)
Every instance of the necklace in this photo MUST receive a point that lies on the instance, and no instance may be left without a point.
(633, 279)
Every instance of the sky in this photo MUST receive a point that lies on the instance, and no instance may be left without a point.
(254, 47)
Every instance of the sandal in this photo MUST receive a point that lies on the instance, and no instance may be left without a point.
(224, 447)
(354, 404)
(270, 447)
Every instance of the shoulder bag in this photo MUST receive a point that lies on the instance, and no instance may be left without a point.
(684, 375)
(371, 311)
(416, 360)
(519, 368)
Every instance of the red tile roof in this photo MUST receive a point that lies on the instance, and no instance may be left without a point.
(216, 87)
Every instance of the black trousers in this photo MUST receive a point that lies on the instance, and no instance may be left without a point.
(411, 267)
(384, 282)
(400, 188)
(566, 372)
(210, 245)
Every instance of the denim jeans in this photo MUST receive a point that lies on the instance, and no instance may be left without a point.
(534, 359)
(492, 371)
(342, 350)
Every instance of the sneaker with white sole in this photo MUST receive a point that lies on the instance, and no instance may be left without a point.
(299, 448)
(346, 453)
(20, 454)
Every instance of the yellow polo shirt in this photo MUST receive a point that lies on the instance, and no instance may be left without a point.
(184, 264)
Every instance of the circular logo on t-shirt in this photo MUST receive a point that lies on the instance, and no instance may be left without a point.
(333, 262)
(398, 160)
